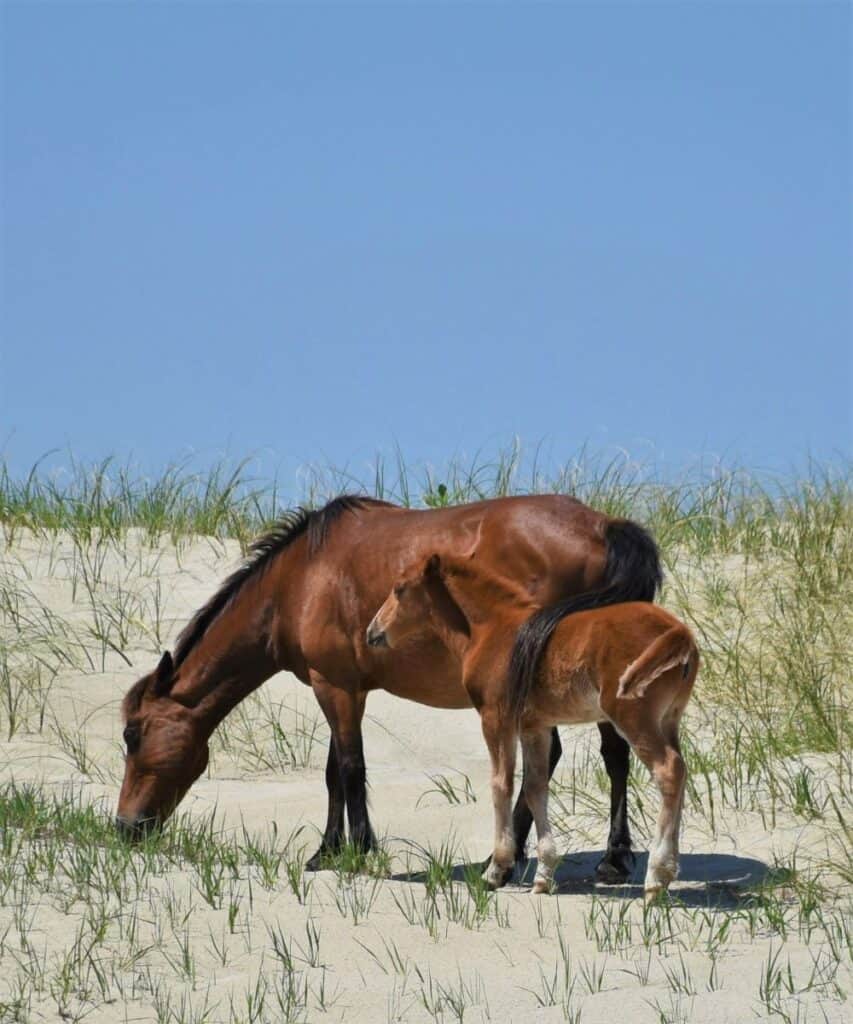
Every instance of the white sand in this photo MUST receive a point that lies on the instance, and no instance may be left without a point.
(495, 968)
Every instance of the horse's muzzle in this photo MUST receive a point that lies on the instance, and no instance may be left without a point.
(136, 829)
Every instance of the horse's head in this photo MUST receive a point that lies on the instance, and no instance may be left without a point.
(166, 751)
(409, 606)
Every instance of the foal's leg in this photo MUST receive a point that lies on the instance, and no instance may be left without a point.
(662, 756)
(534, 748)
(617, 864)
(500, 736)
(344, 708)
(522, 818)
(670, 773)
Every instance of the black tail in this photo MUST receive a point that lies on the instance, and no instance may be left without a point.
(632, 573)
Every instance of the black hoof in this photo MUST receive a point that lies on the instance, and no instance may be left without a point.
(320, 860)
(315, 863)
(365, 845)
(616, 867)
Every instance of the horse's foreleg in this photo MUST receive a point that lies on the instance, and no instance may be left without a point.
(617, 864)
(354, 773)
(500, 737)
(333, 837)
(522, 817)
(344, 708)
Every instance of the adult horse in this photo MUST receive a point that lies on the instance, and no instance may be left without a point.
(301, 602)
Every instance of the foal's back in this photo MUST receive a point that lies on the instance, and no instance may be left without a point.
(589, 653)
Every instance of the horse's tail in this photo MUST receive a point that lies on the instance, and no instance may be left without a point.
(674, 647)
(632, 572)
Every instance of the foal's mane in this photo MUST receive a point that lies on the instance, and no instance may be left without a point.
(291, 526)
(448, 605)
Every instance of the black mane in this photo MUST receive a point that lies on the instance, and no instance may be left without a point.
(262, 551)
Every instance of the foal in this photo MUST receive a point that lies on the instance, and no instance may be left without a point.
(630, 664)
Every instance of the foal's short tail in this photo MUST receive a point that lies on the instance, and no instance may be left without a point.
(632, 572)
(674, 647)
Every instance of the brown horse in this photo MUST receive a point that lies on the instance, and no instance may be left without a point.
(302, 601)
(632, 665)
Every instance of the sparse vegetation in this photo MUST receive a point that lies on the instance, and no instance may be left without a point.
(216, 920)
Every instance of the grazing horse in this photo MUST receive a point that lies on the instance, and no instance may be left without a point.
(301, 603)
(632, 665)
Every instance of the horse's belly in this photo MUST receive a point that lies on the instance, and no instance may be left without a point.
(438, 694)
(568, 702)
(430, 677)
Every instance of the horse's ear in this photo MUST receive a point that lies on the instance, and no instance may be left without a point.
(164, 675)
(433, 566)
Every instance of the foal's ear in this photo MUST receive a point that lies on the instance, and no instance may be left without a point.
(433, 566)
(164, 675)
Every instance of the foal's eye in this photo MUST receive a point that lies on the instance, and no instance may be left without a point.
(131, 737)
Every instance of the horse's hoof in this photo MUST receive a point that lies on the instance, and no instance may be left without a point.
(540, 886)
(615, 867)
(654, 895)
(320, 860)
(497, 879)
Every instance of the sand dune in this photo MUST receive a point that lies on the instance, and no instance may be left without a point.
(388, 949)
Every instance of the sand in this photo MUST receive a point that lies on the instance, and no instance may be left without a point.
(382, 966)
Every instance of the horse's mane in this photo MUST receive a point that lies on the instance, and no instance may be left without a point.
(262, 552)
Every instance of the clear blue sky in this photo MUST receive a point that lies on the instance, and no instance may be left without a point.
(315, 231)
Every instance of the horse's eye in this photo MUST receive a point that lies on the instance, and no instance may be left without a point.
(131, 737)
(398, 590)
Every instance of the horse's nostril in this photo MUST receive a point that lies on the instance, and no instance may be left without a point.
(136, 828)
(126, 828)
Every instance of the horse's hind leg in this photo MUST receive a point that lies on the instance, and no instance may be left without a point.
(500, 738)
(617, 864)
(535, 747)
(670, 775)
(660, 752)
(522, 817)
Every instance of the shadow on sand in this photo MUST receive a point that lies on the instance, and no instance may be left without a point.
(704, 879)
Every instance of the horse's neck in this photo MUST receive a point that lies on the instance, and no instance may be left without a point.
(232, 658)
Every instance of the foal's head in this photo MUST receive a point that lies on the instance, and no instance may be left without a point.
(166, 751)
(411, 605)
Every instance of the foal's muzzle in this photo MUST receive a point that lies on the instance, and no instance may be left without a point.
(376, 637)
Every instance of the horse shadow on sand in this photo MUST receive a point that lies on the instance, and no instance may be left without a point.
(715, 880)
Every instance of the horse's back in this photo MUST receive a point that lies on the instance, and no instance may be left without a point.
(552, 544)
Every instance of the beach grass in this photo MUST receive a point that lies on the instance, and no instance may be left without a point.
(760, 566)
